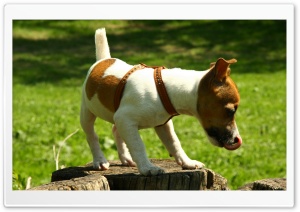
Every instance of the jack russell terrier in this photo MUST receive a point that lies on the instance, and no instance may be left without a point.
(136, 97)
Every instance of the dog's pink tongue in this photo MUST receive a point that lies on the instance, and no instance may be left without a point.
(236, 145)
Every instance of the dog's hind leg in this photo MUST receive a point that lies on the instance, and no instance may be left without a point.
(87, 120)
(123, 151)
(169, 138)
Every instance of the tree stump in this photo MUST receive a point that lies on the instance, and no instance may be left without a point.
(265, 184)
(121, 177)
(89, 182)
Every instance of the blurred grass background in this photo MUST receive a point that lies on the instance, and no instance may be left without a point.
(51, 59)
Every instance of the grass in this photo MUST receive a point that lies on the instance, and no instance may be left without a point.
(51, 59)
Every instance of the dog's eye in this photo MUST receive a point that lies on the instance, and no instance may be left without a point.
(231, 111)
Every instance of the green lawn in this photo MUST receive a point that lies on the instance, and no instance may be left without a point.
(51, 59)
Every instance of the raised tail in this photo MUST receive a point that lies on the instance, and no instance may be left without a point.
(102, 48)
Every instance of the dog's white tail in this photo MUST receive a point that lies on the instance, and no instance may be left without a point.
(102, 48)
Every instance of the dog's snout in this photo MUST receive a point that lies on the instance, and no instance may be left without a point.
(230, 140)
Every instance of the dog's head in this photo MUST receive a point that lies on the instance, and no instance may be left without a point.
(217, 104)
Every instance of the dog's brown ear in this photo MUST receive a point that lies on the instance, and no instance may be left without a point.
(222, 69)
(212, 64)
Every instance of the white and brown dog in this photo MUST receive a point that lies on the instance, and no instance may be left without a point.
(131, 98)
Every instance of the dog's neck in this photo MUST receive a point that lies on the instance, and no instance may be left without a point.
(182, 87)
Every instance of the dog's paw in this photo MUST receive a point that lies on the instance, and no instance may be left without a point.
(101, 165)
(151, 170)
(192, 164)
(127, 160)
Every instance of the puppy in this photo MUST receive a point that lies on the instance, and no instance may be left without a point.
(136, 97)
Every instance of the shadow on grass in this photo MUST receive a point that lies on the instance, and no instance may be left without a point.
(65, 53)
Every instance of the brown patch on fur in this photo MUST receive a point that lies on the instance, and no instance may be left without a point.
(106, 91)
(104, 87)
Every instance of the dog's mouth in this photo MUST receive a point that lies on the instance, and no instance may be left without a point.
(237, 142)
(224, 139)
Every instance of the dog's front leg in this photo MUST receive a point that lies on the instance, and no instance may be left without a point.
(169, 138)
(128, 130)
